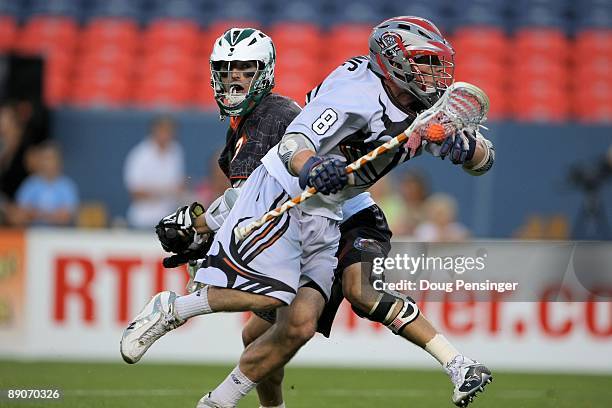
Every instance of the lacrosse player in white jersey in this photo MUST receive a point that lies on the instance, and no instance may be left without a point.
(358, 107)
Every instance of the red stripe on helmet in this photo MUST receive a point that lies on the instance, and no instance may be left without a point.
(402, 47)
(447, 50)
(421, 22)
(382, 67)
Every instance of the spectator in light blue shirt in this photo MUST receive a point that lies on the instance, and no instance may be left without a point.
(47, 197)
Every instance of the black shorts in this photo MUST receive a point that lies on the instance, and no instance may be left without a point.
(368, 227)
(364, 236)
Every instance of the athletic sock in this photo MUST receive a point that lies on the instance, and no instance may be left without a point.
(441, 349)
(282, 405)
(193, 304)
(232, 389)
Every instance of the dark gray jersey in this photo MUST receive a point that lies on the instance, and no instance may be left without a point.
(249, 139)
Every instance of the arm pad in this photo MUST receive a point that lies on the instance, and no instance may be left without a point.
(290, 145)
(219, 209)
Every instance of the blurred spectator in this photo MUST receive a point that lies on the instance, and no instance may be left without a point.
(47, 197)
(441, 224)
(391, 203)
(154, 174)
(414, 191)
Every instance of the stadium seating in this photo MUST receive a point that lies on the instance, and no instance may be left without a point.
(44, 34)
(344, 41)
(66, 8)
(124, 52)
(176, 34)
(8, 33)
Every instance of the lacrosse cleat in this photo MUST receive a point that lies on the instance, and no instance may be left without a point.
(207, 402)
(469, 377)
(156, 319)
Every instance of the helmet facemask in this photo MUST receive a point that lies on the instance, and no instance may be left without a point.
(431, 75)
(237, 84)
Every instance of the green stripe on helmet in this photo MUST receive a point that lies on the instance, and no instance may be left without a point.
(233, 37)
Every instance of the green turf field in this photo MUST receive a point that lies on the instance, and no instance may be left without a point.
(156, 385)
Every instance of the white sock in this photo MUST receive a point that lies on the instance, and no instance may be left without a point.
(441, 349)
(193, 304)
(282, 405)
(232, 389)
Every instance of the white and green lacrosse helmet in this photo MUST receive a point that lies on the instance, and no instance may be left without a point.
(241, 44)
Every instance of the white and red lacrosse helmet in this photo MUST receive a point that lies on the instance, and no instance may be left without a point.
(411, 52)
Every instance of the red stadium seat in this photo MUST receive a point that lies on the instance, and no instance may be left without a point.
(594, 42)
(183, 35)
(106, 54)
(540, 67)
(488, 41)
(100, 90)
(8, 33)
(596, 66)
(165, 86)
(479, 67)
(110, 31)
(344, 41)
(304, 38)
(546, 42)
(56, 88)
(47, 34)
(541, 101)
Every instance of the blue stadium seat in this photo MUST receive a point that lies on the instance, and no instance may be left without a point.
(10, 7)
(541, 13)
(69, 8)
(240, 10)
(176, 9)
(297, 11)
(131, 9)
(358, 11)
(420, 8)
(593, 14)
(480, 15)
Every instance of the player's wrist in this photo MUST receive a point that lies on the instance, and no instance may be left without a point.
(306, 168)
(299, 161)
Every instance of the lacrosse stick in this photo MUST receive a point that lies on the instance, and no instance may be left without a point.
(463, 106)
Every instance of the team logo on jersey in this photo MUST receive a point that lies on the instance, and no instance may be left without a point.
(389, 43)
(239, 145)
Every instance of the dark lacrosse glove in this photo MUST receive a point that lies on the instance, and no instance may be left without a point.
(327, 175)
(175, 231)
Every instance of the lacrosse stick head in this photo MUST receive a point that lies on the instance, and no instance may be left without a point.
(463, 106)
(466, 104)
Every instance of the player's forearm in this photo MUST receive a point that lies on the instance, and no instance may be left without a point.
(483, 158)
(200, 225)
(298, 161)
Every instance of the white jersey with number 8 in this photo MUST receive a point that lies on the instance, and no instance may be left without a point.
(348, 115)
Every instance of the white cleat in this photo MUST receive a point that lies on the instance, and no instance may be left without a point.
(207, 402)
(156, 319)
(469, 376)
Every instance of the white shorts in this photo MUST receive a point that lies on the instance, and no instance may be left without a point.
(282, 255)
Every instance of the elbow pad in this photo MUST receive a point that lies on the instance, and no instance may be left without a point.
(290, 145)
(219, 209)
